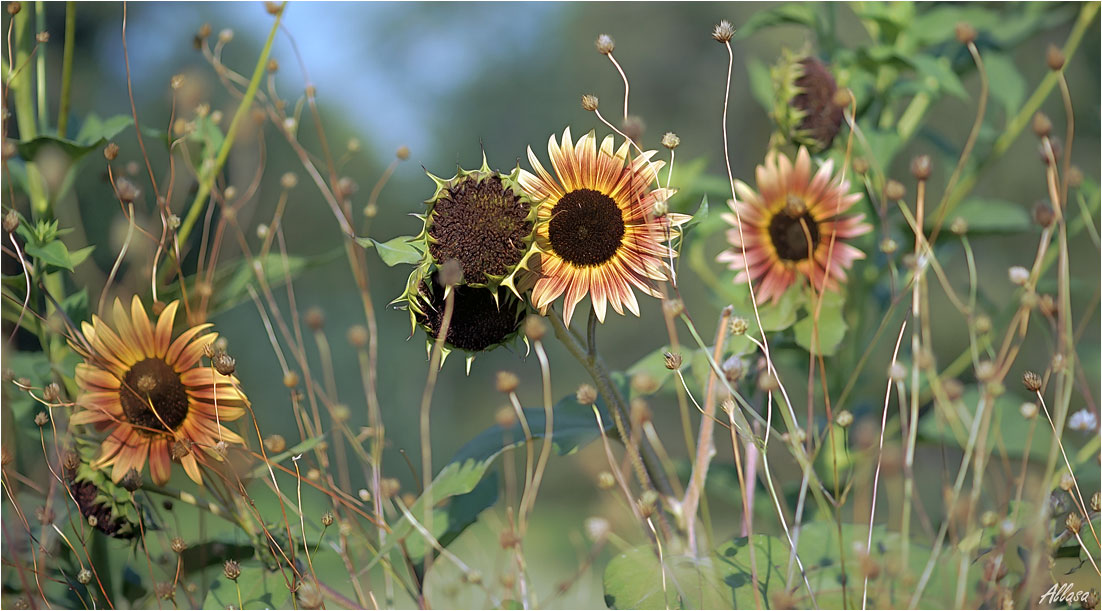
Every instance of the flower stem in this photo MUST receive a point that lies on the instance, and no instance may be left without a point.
(598, 371)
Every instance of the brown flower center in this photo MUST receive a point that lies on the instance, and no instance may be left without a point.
(153, 397)
(587, 228)
(478, 322)
(483, 224)
(790, 230)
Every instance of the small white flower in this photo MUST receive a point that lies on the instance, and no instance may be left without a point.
(1083, 420)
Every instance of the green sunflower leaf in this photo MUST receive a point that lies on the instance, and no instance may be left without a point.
(825, 337)
(397, 251)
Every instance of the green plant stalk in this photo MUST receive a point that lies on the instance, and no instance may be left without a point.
(40, 68)
(67, 68)
(207, 183)
(19, 79)
(598, 371)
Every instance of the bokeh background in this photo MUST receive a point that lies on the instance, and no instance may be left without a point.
(449, 81)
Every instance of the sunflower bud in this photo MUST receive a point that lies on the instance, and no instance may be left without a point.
(808, 106)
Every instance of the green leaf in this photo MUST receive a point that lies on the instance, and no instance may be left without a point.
(939, 75)
(1008, 85)
(56, 254)
(636, 580)
(796, 13)
(831, 327)
(93, 134)
(574, 426)
(260, 589)
(396, 251)
(775, 316)
(989, 215)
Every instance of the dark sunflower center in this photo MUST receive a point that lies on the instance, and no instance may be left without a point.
(817, 87)
(587, 228)
(790, 230)
(153, 397)
(477, 321)
(482, 224)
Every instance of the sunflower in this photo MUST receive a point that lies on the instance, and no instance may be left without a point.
(598, 232)
(480, 319)
(806, 108)
(152, 393)
(792, 226)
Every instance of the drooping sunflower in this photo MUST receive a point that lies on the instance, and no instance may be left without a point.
(792, 226)
(598, 232)
(806, 108)
(482, 220)
(152, 393)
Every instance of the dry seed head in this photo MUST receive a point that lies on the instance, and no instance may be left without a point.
(983, 324)
(670, 140)
(315, 318)
(364, 495)
(341, 413)
(357, 336)
(894, 190)
(1032, 381)
(605, 44)
(1043, 214)
(84, 576)
(648, 503)
(1029, 298)
(634, 127)
(733, 369)
(723, 32)
(986, 371)
(534, 328)
(14, 8)
(589, 102)
(767, 381)
(861, 165)
(505, 417)
(1075, 176)
(225, 36)
(596, 528)
(605, 480)
(42, 37)
(11, 220)
(1028, 410)
(290, 379)
(966, 34)
(180, 449)
(132, 480)
(402, 153)
(52, 392)
(644, 383)
(231, 569)
(673, 360)
(959, 226)
(273, 8)
(506, 381)
(673, 308)
(1067, 482)
(41, 419)
(273, 65)
(275, 443)
(1042, 125)
(1048, 306)
(111, 151)
(127, 190)
(1073, 523)
(221, 448)
(739, 325)
(1018, 275)
(327, 519)
(93, 521)
(1096, 502)
(586, 395)
(289, 180)
(921, 167)
(844, 418)
(224, 363)
(173, 222)
(178, 545)
(1055, 59)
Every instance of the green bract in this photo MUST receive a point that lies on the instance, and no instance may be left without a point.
(483, 220)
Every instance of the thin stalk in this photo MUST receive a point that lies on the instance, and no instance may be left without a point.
(205, 185)
(67, 67)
